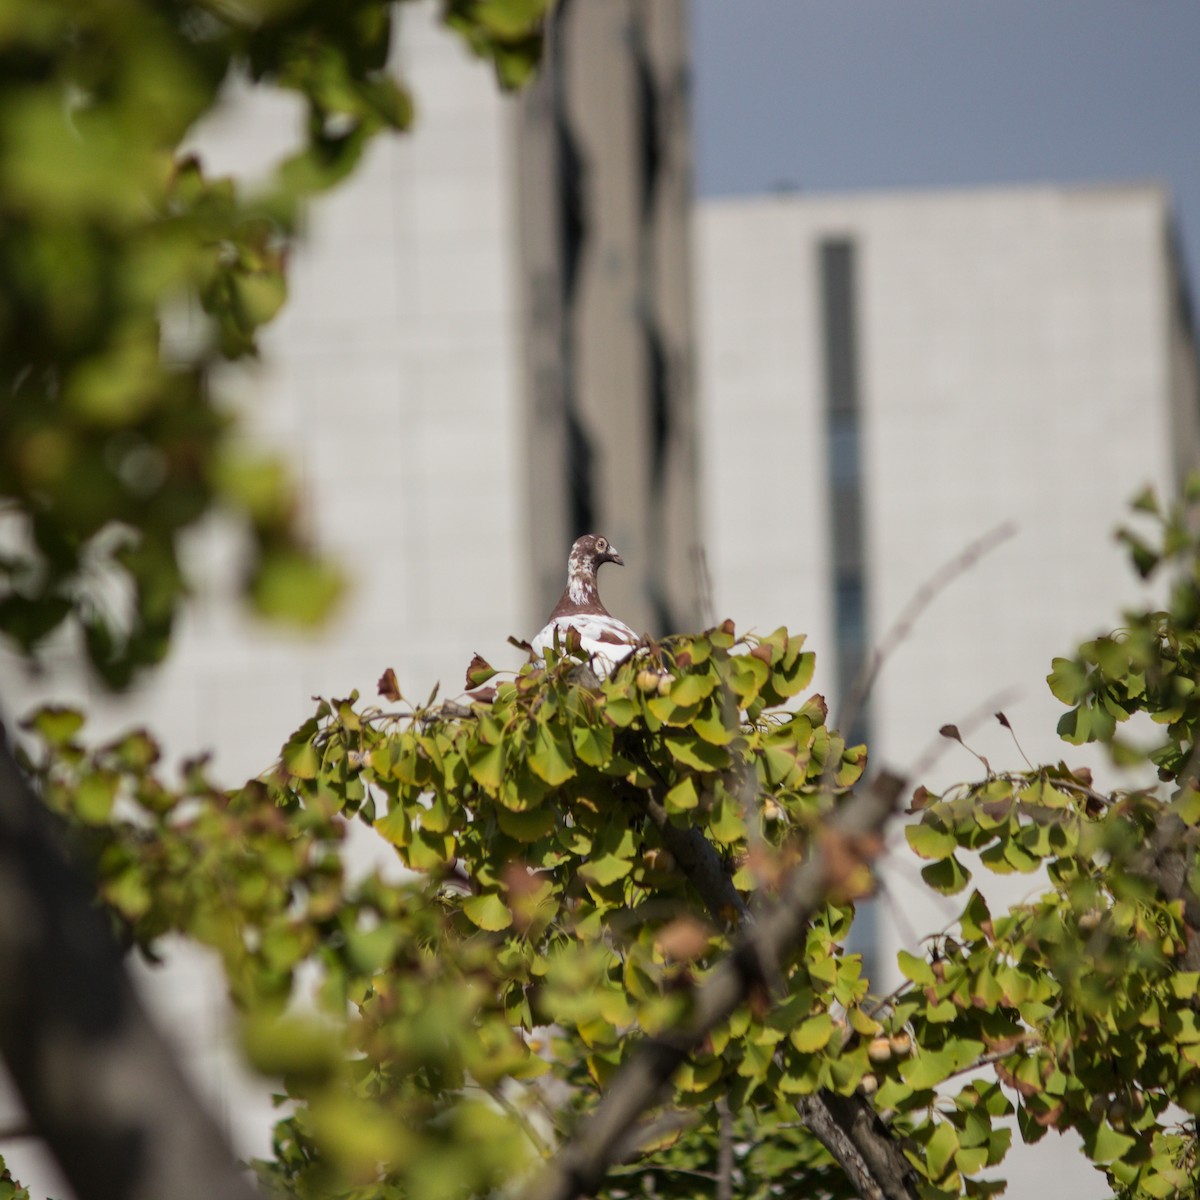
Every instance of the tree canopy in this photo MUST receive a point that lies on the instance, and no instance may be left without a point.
(617, 961)
(130, 273)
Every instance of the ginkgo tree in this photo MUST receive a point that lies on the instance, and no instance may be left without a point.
(616, 961)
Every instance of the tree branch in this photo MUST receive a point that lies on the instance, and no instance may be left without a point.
(581, 1165)
(98, 1082)
(847, 1126)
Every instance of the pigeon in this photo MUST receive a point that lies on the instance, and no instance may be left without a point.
(606, 640)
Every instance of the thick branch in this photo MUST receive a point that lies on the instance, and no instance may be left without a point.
(847, 1126)
(702, 865)
(98, 1082)
(580, 1167)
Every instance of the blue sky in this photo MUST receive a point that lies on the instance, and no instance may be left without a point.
(833, 94)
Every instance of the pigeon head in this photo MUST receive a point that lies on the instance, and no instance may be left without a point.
(590, 551)
(587, 554)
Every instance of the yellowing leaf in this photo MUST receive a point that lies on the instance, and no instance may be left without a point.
(682, 797)
(930, 841)
(940, 1149)
(548, 759)
(605, 870)
(813, 1034)
(486, 767)
(487, 911)
(301, 759)
(915, 969)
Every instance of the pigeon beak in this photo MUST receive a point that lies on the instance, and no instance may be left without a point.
(613, 557)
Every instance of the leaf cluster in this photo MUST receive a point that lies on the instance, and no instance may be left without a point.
(579, 856)
(543, 928)
(129, 274)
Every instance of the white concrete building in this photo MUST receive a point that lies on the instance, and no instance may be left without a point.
(885, 379)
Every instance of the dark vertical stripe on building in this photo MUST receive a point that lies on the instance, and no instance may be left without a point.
(843, 458)
(844, 468)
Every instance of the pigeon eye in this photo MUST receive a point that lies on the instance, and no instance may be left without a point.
(602, 545)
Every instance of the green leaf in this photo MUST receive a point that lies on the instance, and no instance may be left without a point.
(928, 841)
(976, 919)
(682, 797)
(301, 759)
(620, 711)
(488, 911)
(915, 969)
(427, 850)
(486, 766)
(711, 725)
(698, 754)
(813, 1034)
(549, 759)
(1067, 680)
(55, 725)
(396, 827)
(291, 1045)
(927, 1069)
(791, 678)
(747, 675)
(606, 869)
(1106, 1145)
(940, 1148)
(691, 689)
(948, 876)
(725, 823)
(528, 826)
(294, 586)
(593, 744)
(94, 797)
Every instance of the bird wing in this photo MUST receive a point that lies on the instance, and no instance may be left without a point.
(600, 635)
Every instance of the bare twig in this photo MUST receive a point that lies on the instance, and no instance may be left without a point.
(704, 594)
(724, 1151)
(920, 601)
(973, 720)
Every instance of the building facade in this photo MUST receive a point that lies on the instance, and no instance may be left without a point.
(923, 417)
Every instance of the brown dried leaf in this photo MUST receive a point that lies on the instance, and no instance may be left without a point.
(479, 670)
(389, 686)
(1050, 1117)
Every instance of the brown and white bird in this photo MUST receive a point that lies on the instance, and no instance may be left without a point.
(606, 640)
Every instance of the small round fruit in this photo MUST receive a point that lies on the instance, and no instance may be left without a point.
(879, 1049)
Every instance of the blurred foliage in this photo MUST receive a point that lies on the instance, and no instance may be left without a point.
(9, 1188)
(127, 274)
(439, 1031)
